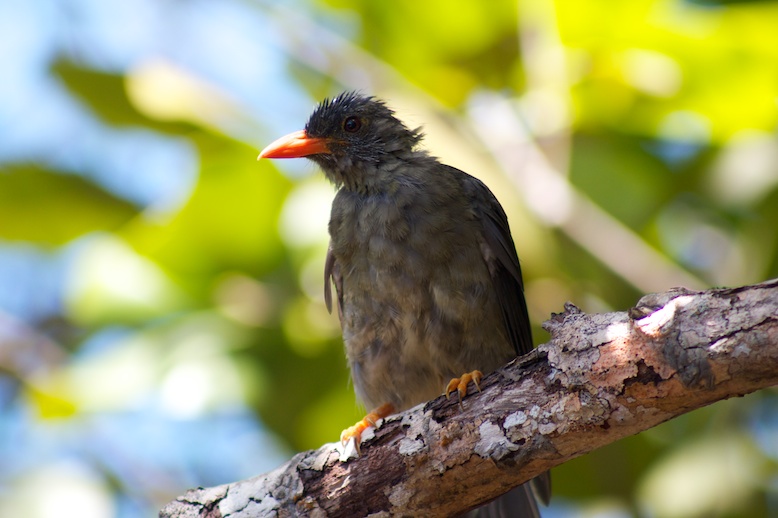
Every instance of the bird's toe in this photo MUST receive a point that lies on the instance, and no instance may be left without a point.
(461, 383)
(370, 420)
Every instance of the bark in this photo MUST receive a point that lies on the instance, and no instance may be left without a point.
(600, 378)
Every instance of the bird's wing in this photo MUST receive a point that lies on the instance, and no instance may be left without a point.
(503, 262)
(332, 271)
(500, 255)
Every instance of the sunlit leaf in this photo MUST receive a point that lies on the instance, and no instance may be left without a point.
(105, 93)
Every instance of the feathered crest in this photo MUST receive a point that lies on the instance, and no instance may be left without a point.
(353, 101)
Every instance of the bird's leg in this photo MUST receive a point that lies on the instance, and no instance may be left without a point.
(460, 384)
(369, 420)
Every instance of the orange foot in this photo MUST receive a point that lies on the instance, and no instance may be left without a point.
(369, 420)
(461, 384)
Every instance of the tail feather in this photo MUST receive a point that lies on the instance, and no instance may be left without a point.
(519, 502)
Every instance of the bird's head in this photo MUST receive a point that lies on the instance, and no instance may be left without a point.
(351, 137)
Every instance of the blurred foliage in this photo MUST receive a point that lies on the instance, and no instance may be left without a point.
(52, 208)
(162, 323)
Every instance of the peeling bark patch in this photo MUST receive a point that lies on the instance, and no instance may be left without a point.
(410, 446)
(619, 416)
(685, 350)
(515, 419)
(645, 375)
(399, 495)
(206, 499)
(415, 430)
(690, 361)
(616, 362)
(649, 304)
(260, 496)
(265, 507)
(493, 443)
(662, 320)
(546, 428)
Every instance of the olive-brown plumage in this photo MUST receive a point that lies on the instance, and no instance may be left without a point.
(427, 280)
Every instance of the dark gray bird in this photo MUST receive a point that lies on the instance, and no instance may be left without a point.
(427, 278)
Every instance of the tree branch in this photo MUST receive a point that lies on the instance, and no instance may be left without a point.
(600, 378)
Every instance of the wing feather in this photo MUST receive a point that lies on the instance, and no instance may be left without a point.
(332, 276)
(500, 255)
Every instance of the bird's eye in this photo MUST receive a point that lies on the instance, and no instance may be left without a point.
(352, 124)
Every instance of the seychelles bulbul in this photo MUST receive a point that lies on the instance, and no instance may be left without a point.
(428, 284)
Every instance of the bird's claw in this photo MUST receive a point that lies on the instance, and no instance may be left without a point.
(370, 420)
(460, 384)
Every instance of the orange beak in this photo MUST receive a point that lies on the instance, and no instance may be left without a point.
(295, 145)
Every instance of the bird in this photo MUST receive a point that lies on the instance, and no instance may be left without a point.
(428, 285)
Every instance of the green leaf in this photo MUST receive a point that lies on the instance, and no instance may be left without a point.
(47, 207)
(106, 95)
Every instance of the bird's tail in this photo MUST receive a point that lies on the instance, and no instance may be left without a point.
(519, 502)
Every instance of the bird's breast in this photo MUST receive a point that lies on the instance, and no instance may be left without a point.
(417, 305)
